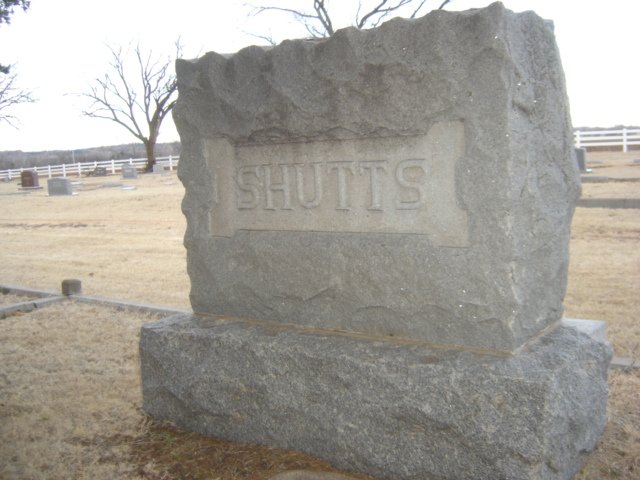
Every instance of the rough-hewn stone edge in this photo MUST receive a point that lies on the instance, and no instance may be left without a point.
(253, 383)
(208, 110)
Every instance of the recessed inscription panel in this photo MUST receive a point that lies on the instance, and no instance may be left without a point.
(377, 185)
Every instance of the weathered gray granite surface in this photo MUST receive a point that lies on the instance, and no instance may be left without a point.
(414, 180)
(382, 220)
(394, 410)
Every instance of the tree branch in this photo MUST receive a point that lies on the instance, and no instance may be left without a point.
(371, 18)
(10, 96)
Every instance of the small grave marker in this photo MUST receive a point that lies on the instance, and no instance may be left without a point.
(129, 171)
(580, 158)
(71, 286)
(59, 186)
(29, 179)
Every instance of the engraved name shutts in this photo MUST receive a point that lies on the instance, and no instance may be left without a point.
(283, 186)
(376, 185)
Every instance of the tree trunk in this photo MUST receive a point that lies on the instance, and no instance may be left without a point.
(150, 147)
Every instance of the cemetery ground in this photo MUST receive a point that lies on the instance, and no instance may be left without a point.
(70, 399)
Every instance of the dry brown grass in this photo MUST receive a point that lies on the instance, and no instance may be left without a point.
(121, 243)
(604, 273)
(69, 376)
(618, 455)
(69, 393)
(70, 401)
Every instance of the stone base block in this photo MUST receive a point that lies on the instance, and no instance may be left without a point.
(395, 410)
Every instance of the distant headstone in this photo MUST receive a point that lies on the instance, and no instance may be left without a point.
(29, 179)
(158, 168)
(99, 172)
(59, 186)
(580, 158)
(129, 171)
(382, 220)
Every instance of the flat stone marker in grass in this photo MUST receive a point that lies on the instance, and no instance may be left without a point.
(378, 230)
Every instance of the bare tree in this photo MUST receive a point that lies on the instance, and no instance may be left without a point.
(318, 21)
(10, 96)
(137, 100)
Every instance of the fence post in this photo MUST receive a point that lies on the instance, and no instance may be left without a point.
(170, 163)
(624, 140)
(79, 169)
(64, 170)
(49, 170)
(577, 140)
(113, 167)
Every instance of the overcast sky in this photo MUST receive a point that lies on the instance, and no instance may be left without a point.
(60, 47)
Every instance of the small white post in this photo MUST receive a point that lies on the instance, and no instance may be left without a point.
(79, 170)
(64, 170)
(170, 163)
(577, 137)
(624, 140)
(49, 170)
(113, 167)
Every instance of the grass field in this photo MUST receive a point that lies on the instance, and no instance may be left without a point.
(69, 376)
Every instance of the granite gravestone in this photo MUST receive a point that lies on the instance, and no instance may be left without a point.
(59, 186)
(377, 240)
(580, 158)
(129, 171)
(29, 179)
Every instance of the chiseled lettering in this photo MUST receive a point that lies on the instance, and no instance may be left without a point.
(416, 187)
(317, 182)
(383, 185)
(376, 191)
(248, 194)
(283, 187)
(341, 169)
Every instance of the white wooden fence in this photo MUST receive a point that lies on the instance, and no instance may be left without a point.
(624, 137)
(78, 169)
